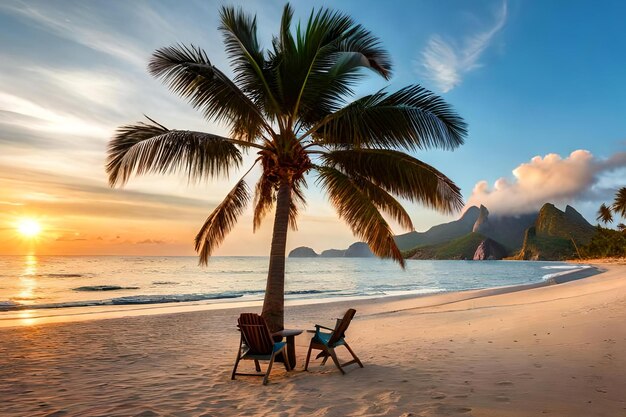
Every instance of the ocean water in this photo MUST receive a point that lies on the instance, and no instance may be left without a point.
(50, 282)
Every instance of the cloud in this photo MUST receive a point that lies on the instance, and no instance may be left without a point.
(548, 179)
(70, 239)
(65, 194)
(446, 61)
(32, 116)
(151, 242)
(77, 23)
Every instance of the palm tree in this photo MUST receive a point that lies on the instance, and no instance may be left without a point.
(619, 204)
(290, 104)
(605, 215)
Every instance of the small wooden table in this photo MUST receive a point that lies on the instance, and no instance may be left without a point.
(290, 335)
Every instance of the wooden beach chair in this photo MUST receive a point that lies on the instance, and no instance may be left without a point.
(256, 343)
(327, 342)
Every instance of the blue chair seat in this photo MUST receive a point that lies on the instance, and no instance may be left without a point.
(323, 338)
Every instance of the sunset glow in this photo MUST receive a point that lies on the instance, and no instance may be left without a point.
(29, 228)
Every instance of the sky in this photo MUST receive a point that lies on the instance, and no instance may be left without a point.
(540, 84)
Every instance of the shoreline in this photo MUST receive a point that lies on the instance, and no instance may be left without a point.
(26, 316)
(558, 350)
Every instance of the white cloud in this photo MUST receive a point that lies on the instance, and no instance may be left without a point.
(446, 61)
(36, 117)
(104, 89)
(549, 179)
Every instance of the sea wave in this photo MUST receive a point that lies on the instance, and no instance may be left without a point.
(8, 304)
(171, 298)
(165, 283)
(565, 267)
(128, 300)
(148, 299)
(62, 275)
(45, 275)
(565, 271)
(306, 292)
(103, 288)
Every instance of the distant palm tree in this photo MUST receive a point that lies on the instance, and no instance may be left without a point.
(619, 204)
(605, 215)
(290, 105)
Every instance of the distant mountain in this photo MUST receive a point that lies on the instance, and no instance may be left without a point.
(506, 230)
(302, 252)
(567, 224)
(550, 234)
(333, 253)
(556, 235)
(356, 250)
(462, 247)
(440, 233)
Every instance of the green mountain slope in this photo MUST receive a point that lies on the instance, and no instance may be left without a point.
(556, 235)
(440, 233)
(459, 248)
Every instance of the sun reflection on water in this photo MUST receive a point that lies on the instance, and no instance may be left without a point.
(30, 265)
(28, 280)
(26, 317)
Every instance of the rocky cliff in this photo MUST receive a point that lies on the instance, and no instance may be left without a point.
(506, 230)
(556, 234)
(489, 249)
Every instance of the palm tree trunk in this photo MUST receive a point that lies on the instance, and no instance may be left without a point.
(274, 302)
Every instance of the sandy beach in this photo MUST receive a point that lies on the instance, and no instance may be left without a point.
(557, 350)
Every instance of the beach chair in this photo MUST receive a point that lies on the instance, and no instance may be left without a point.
(327, 342)
(256, 343)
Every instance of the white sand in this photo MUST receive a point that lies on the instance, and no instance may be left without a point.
(558, 350)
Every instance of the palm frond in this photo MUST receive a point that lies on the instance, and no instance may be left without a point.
(264, 200)
(221, 221)
(360, 45)
(297, 201)
(239, 32)
(384, 202)
(327, 91)
(356, 208)
(318, 68)
(399, 174)
(605, 215)
(152, 148)
(411, 118)
(188, 72)
(619, 204)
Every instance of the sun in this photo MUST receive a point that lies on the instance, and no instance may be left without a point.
(29, 228)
